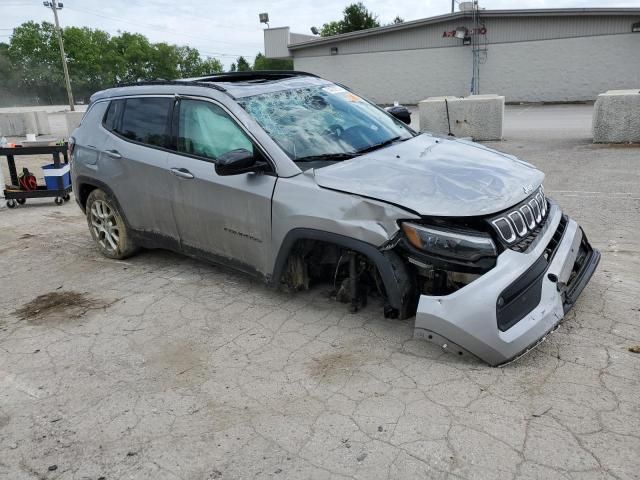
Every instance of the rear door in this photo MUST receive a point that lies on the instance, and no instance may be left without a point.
(226, 217)
(133, 162)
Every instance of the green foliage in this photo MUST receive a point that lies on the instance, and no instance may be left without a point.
(355, 17)
(331, 28)
(243, 65)
(397, 20)
(263, 63)
(31, 68)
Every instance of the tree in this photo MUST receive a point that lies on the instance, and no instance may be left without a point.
(209, 65)
(397, 20)
(243, 65)
(31, 70)
(263, 63)
(33, 51)
(355, 17)
(330, 29)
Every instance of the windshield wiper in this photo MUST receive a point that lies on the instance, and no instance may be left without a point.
(380, 145)
(326, 156)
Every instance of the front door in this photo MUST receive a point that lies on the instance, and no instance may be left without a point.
(227, 217)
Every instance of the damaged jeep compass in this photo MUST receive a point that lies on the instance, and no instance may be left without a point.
(297, 180)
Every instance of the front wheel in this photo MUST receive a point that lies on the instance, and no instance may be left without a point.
(107, 226)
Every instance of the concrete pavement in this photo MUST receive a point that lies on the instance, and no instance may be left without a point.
(164, 367)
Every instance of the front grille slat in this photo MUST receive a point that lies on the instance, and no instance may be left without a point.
(518, 227)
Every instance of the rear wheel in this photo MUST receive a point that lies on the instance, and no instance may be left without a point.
(107, 226)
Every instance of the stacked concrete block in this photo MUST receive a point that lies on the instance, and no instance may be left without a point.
(477, 116)
(42, 122)
(12, 124)
(72, 120)
(19, 124)
(616, 117)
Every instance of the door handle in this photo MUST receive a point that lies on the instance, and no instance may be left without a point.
(181, 172)
(113, 153)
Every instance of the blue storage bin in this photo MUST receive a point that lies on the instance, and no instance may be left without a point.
(52, 174)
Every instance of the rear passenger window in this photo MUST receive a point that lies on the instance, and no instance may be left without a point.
(144, 120)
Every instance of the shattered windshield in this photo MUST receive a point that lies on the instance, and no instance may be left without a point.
(323, 122)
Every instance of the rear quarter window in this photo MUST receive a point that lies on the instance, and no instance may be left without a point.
(114, 115)
(143, 120)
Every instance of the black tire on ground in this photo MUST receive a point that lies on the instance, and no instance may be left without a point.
(21, 201)
(105, 220)
(58, 201)
(11, 203)
(66, 197)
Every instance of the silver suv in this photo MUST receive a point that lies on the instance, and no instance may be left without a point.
(299, 181)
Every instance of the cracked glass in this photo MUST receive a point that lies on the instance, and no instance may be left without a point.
(322, 120)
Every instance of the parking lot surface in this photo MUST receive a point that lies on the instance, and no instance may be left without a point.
(164, 367)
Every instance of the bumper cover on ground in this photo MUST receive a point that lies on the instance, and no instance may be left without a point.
(465, 322)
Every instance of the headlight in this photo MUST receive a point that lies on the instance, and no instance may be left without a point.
(444, 243)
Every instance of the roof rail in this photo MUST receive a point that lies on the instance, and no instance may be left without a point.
(194, 82)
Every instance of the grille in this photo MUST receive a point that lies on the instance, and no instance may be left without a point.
(519, 226)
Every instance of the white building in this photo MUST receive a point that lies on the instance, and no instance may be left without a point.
(553, 55)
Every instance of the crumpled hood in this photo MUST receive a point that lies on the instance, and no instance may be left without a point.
(436, 176)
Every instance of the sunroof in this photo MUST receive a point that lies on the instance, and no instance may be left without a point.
(252, 77)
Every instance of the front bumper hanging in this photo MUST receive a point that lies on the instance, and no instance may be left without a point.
(511, 309)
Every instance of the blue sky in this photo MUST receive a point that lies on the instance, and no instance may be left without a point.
(226, 29)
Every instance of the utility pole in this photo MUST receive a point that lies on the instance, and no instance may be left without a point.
(55, 6)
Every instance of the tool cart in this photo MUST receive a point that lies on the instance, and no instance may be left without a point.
(57, 178)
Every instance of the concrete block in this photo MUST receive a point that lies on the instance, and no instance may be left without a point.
(18, 124)
(616, 117)
(30, 123)
(12, 124)
(72, 120)
(42, 122)
(476, 116)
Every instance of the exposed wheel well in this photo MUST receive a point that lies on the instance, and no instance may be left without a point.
(308, 253)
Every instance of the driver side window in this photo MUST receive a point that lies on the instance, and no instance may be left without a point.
(206, 130)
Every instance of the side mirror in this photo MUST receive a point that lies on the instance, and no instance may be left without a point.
(401, 112)
(235, 162)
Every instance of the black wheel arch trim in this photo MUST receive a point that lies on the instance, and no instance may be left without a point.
(83, 180)
(395, 296)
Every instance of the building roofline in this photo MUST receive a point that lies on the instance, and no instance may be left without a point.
(543, 12)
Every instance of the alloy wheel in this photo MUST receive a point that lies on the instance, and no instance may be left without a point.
(105, 226)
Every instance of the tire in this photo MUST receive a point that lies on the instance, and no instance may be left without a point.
(21, 201)
(107, 227)
(66, 197)
(12, 203)
(58, 201)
